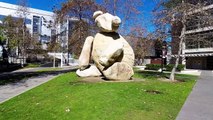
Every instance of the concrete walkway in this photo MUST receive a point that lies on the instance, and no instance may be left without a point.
(199, 104)
(13, 89)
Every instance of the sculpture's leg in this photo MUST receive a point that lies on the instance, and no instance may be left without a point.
(112, 54)
(89, 72)
(119, 71)
(85, 53)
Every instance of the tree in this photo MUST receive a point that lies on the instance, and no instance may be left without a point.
(141, 43)
(2, 35)
(22, 12)
(2, 43)
(11, 32)
(158, 43)
(53, 46)
(83, 25)
(178, 12)
(128, 10)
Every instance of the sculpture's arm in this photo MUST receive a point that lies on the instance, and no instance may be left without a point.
(112, 54)
(85, 53)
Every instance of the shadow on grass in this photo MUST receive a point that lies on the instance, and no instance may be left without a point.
(19, 76)
(154, 74)
(4, 67)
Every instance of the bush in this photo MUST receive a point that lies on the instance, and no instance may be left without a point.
(153, 66)
(170, 66)
(180, 67)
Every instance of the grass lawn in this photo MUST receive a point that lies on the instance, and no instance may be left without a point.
(65, 98)
(49, 69)
(32, 65)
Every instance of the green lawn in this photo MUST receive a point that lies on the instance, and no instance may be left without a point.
(49, 69)
(65, 98)
(32, 65)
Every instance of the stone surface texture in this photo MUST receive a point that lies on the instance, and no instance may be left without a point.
(111, 53)
(107, 22)
(91, 71)
(85, 53)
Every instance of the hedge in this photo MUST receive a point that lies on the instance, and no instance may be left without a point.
(153, 66)
(168, 67)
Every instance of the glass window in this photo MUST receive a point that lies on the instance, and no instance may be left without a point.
(36, 24)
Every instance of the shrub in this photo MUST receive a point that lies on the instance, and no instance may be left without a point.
(170, 66)
(153, 66)
(180, 67)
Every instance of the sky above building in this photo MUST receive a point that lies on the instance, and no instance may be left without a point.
(48, 5)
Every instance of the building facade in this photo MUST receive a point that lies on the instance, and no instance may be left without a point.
(38, 22)
(197, 50)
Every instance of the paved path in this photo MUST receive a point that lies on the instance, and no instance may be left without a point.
(13, 89)
(199, 104)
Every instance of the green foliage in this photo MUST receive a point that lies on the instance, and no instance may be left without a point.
(67, 98)
(180, 67)
(49, 69)
(10, 31)
(32, 65)
(153, 66)
(2, 35)
(169, 67)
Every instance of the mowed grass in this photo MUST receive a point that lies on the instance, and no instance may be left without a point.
(66, 98)
(49, 69)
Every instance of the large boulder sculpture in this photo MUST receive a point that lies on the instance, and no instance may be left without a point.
(111, 53)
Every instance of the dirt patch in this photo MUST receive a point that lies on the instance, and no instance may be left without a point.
(168, 80)
(101, 79)
(154, 92)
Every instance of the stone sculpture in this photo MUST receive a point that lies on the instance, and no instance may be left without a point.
(111, 53)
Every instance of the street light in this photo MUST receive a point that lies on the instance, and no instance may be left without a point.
(164, 55)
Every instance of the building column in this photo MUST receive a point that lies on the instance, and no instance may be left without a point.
(183, 53)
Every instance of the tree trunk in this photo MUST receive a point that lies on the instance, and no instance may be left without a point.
(54, 59)
(23, 40)
(182, 36)
(172, 75)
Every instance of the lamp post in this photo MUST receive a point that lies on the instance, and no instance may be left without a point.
(164, 55)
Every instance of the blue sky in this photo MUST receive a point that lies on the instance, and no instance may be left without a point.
(39, 4)
(148, 5)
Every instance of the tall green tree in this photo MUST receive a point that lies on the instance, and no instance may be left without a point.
(11, 32)
(2, 36)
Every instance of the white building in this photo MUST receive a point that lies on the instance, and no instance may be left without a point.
(36, 20)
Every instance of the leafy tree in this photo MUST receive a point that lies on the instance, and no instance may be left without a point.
(11, 32)
(2, 35)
